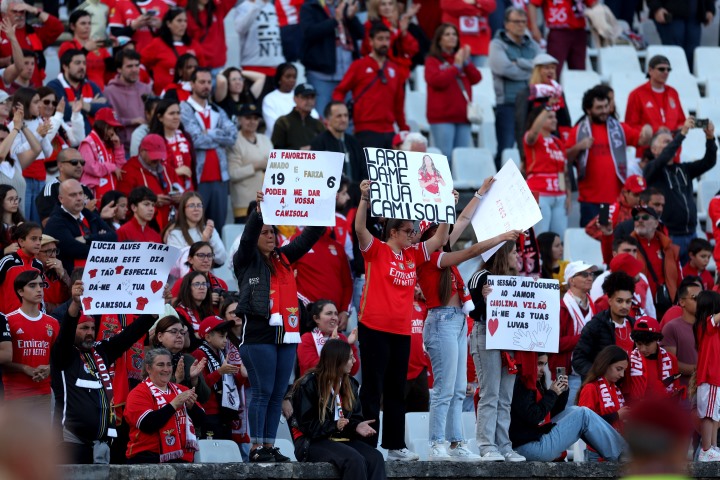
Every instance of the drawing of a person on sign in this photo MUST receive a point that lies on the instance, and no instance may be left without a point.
(430, 180)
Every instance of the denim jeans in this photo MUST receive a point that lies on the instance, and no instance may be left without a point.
(269, 367)
(33, 188)
(682, 241)
(447, 136)
(553, 212)
(496, 389)
(445, 339)
(580, 422)
(504, 129)
(358, 285)
(324, 89)
(685, 33)
(574, 384)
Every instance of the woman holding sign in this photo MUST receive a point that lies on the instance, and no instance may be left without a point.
(384, 319)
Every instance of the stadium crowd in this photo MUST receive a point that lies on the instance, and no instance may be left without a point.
(146, 133)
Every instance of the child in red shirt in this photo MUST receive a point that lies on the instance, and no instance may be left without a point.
(700, 252)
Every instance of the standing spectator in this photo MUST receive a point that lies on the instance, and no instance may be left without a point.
(336, 139)
(103, 153)
(624, 9)
(678, 336)
(35, 38)
(652, 367)
(552, 252)
(680, 23)
(143, 129)
(191, 227)
(12, 217)
(180, 88)
(589, 148)
(142, 203)
(181, 155)
(417, 393)
(206, 26)
(125, 93)
(621, 210)
(247, 161)
(567, 37)
(20, 72)
(288, 13)
(700, 252)
(326, 326)
(231, 91)
(257, 26)
(281, 101)
(211, 133)
(330, 32)
(298, 128)
(140, 23)
(511, 54)
(27, 237)
(450, 76)
(471, 19)
(374, 80)
(80, 27)
(172, 40)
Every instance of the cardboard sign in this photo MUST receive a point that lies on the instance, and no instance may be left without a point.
(410, 185)
(127, 277)
(523, 314)
(300, 187)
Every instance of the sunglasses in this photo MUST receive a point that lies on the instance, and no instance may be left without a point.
(664, 69)
(54, 103)
(642, 217)
(75, 163)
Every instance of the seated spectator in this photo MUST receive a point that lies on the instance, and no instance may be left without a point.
(200, 259)
(700, 252)
(80, 26)
(652, 197)
(58, 290)
(551, 256)
(336, 139)
(472, 21)
(609, 327)
(165, 122)
(600, 391)
(206, 27)
(297, 129)
(172, 40)
(180, 88)
(536, 400)
(142, 203)
(621, 210)
(27, 236)
(150, 104)
(128, 19)
(325, 327)
(247, 160)
(231, 91)
(678, 337)
(11, 218)
(450, 75)
(642, 303)
(194, 303)
(191, 227)
(152, 413)
(118, 201)
(256, 23)
(103, 153)
(126, 92)
(75, 226)
(281, 101)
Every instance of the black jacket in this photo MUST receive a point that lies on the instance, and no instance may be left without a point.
(292, 132)
(355, 167)
(80, 401)
(317, 51)
(597, 334)
(48, 200)
(253, 277)
(305, 406)
(680, 9)
(675, 182)
(527, 413)
(64, 227)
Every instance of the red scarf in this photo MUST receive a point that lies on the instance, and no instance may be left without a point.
(283, 300)
(611, 398)
(177, 437)
(638, 365)
(106, 183)
(576, 313)
(86, 92)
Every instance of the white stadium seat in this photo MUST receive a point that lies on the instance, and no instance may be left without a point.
(706, 60)
(709, 107)
(419, 83)
(707, 188)
(417, 433)
(616, 59)
(230, 232)
(218, 451)
(581, 246)
(578, 81)
(484, 88)
(510, 155)
(470, 166)
(624, 82)
(416, 110)
(687, 88)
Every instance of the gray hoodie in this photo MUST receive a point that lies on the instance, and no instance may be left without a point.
(511, 65)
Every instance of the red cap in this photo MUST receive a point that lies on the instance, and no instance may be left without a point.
(635, 183)
(212, 323)
(624, 262)
(155, 147)
(646, 324)
(107, 115)
(85, 318)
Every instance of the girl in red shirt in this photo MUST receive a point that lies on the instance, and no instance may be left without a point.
(600, 391)
(181, 155)
(707, 339)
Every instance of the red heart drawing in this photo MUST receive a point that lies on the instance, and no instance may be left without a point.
(119, 269)
(493, 325)
(141, 302)
(156, 285)
(93, 272)
(87, 303)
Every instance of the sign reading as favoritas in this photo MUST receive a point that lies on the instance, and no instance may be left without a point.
(126, 277)
(300, 187)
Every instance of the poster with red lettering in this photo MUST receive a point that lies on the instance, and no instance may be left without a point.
(300, 187)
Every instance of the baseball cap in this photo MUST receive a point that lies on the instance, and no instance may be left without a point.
(213, 323)
(305, 89)
(107, 115)
(646, 324)
(573, 268)
(48, 239)
(248, 110)
(646, 209)
(544, 59)
(624, 262)
(155, 147)
(635, 183)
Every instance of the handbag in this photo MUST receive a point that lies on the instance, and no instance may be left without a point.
(474, 111)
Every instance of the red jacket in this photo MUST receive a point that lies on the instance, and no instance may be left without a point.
(445, 100)
(471, 21)
(402, 47)
(42, 37)
(212, 39)
(160, 59)
(714, 217)
(373, 111)
(643, 107)
(136, 175)
(132, 231)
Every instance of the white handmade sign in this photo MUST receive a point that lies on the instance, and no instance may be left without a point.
(126, 277)
(410, 185)
(300, 187)
(508, 205)
(523, 314)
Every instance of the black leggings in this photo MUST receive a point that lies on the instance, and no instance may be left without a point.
(355, 459)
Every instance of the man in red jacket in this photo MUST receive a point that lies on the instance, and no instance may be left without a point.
(373, 81)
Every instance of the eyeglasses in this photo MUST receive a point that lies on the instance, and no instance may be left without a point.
(194, 205)
(54, 103)
(584, 274)
(176, 332)
(201, 284)
(205, 256)
(641, 217)
(14, 199)
(663, 69)
(53, 252)
(409, 231)
(75, 163)
(37, 284)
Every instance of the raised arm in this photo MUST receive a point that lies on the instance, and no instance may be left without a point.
(363, 234)
(534, 132)
(439, 239)
(456, 258)
(464, 219)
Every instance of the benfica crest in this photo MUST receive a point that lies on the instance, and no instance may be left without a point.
(293, 318)
(49, 329)
(169, 437)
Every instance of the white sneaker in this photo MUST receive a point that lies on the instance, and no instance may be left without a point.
(438, 452)
(462, 454)
(402, 455)
(711, 455)
(513, 456)
(492, 456)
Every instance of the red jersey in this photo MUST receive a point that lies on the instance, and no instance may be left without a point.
(545, 160)
(708, 365)
(418, 360)
(160, 59)
(707, 279)
(11, 266)
(95, 61)
(659, 109)
(471, 20)
(654, 251)
(603, 398)
(212, 38)
(125, 11)
(180, 155)
(132, 231)
(565, 14)
(37, 40)
(32, 339)
(390, 286)
(311, 343)
(622, 336)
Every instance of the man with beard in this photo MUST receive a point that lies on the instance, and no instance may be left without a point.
(82, 386)
(597, 145)
(73, 86)
(335, 139)
(211, 132)
(373, 81)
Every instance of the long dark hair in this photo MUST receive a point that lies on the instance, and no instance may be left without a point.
(194, 11)
(162, 106)
(102, 128)
(24, 97)
(162, 326)
(607, 356)
(180, 65)
(181, 219)
(708, 303)
(316, 308)
(499, 264)
(194, 249)
(329, 372)
(164, 30)
(446, 284)
(435, 49)
(545, 242)
(16, 218)
(185, 298)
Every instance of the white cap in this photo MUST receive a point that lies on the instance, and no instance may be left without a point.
(544, 59)
(4, 96)
(573, 268)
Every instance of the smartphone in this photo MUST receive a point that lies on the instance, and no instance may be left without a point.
(669, 380)
(152, 12)
(559, 372)
(106, 42)
(702, 123)
(604, 215)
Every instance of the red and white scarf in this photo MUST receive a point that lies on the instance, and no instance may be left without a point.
(239, 425)
(191, 315)
(638, 366)
(103, 155)
(611, 398)
(284, 310)
(320, 340)
(86, 91)
(176, 440)
(578, 317)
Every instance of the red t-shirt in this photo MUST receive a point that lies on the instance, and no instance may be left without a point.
(160, 59)
(32, 339)
(132, 231)
(211, 168)
(705, 276)
(563, 13)
(546, 160)
(418, 358)
(95, 61)
(708, 366)
(714, 217)
(125, 11)
(622, 336)
(212, 38)
(429, 277)
(390, 286)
